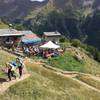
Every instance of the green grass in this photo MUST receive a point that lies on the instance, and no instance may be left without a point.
(46, 85)
(2, 25)
(89, 80)
(5, 57)
(67, 62)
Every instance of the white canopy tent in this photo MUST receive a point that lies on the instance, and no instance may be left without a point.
(50, 45)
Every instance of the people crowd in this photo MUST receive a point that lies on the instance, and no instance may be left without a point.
(45, 53)
(31, 50)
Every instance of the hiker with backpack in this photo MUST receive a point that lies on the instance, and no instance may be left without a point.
(10, 71)
(12, 66)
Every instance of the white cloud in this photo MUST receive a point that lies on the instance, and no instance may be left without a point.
(37, 0)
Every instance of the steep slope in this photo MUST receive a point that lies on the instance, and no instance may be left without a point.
(3, 25)
(91, 28)
(69, 62)
(73, 18)
(47, 84)
(17, 9)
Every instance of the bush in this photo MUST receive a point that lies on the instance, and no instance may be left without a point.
(76, 43)
(19, 27)
(94, 52)
(62, 39)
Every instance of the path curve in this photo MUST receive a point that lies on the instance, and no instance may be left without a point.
(4, 86)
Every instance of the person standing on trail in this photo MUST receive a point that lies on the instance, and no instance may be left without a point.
(19, 65)
(11, 70)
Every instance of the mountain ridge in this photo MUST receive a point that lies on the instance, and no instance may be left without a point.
(72, 18)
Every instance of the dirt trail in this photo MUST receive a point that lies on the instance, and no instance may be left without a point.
(69, 74)
(87, 85)
(4, 86)
(72, 76)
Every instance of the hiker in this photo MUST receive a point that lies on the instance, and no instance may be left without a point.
(10, 71)
(19, 65)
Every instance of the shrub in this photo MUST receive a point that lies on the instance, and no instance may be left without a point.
(76, 43)
(94, 52)
(62, 39)
(19, 27)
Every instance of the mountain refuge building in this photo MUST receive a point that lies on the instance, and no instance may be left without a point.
(52, 36)
(12, 38)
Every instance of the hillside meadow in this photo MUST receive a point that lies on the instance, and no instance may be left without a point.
(44, 84)
(68, 62)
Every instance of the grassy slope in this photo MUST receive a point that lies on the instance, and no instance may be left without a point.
(4, 58)
(68, 62)
(95, 82)
(2, 25)
(46, 85)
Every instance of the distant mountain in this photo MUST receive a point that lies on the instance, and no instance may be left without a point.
(20, 8)
(73, 18)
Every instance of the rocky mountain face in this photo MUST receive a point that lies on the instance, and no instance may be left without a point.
(73, 18)
(18, 8)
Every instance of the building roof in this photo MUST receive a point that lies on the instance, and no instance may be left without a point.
(9, 32)
(30, 37)
(25, 32)
(52, 33)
